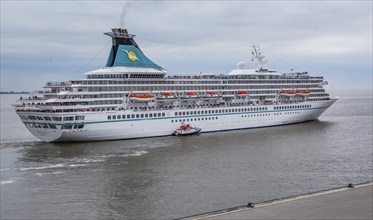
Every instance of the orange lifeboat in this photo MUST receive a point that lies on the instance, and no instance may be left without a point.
(142, 97)
(303, 92)
(190, 96)
(167, 96)
(243, 93)
(211, 95)
(287, 93)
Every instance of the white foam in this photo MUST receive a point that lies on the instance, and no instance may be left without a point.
(131, 154)
(81, 162)
(134, 153)
(86, 160)
(6, 182)
(77, 165)
(42, 168)
(3, 169)
(138, 153)
(43, 174)
(108, 156)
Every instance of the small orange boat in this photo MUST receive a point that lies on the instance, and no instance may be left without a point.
(167, 96)
(287, 93)
(190, 95)
(243, 93)
(141, 97)
(186, 129)
(212, 95)
(303, 92)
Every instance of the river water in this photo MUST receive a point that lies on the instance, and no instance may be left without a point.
(172, 177)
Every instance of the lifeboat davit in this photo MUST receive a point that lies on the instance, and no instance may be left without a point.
(243, 93)
(142, 97)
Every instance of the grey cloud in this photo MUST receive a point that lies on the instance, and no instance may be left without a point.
(219, 34)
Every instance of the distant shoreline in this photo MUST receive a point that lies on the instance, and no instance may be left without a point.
(11, 92)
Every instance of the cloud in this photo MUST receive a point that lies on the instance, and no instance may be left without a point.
(186, 36)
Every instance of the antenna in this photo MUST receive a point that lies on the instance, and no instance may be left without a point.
(257, 55)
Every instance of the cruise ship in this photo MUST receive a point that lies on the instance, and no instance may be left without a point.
(133, 97)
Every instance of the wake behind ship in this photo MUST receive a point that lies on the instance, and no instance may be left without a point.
(132, 97)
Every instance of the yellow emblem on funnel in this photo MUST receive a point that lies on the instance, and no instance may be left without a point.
(131, 55)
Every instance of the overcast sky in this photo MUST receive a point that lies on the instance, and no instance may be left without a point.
(60, 40)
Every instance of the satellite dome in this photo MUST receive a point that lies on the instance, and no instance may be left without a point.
(241, 65)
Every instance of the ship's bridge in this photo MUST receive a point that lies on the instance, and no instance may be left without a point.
(242, 70)
(125, 72)
(253, 72)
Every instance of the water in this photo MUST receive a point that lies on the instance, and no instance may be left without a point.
(171, 177)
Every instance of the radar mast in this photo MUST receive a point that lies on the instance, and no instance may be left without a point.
(257, 55)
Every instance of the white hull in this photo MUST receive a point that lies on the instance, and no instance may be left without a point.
(98, 127)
